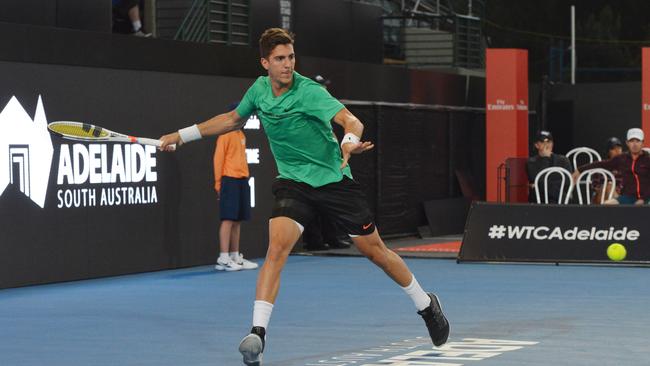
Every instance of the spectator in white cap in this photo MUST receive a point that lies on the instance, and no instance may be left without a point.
(614, 148)
(634, 167)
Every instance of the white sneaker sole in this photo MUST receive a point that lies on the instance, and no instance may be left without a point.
(219, 267)
(251, 349)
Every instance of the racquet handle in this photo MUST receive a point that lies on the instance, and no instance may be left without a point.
(153, 142)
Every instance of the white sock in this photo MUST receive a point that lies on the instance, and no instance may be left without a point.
(234, 255)
(262, 313)
(224, 257)
(417, 294)
(136, 25)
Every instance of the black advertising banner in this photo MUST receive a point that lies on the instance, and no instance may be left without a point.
(555, 233)
(73, 210)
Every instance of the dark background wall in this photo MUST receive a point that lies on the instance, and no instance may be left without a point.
(339, 29)
(55, 244)
(264, 14)
(418, 151)
(24, 12)
(335, 29)
(350, 80)
(588, 114)
(151, 86)
(77, 14)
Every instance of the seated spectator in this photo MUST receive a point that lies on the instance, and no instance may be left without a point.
(633, 167)
(126, 18)
(614, 149)
(546, 158)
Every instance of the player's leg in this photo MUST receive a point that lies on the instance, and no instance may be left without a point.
(283, 234)
(292, 211)
(235, 254)
(225, 262)
(234, 237)
(134, 16)
(229, 212)
(376, 251)
(244, 215)
(234, 240)
(427, 304)
(225, 235)
(345, 203)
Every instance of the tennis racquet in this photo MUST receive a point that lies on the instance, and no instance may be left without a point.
(88, 132)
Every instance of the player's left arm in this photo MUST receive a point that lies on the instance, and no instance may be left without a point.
(353, 128)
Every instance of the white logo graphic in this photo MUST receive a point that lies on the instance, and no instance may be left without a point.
(557, 233)
(502, 105)
(253, 156)
(253, 123)
(25, 150)
(418, 351)
(497, 232)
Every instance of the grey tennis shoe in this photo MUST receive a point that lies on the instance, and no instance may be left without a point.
(252, 346)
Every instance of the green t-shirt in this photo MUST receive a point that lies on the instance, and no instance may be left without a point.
(297, 124)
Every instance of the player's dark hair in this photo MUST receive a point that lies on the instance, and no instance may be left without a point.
(273, 37)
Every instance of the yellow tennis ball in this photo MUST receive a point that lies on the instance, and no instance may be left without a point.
(616, 252)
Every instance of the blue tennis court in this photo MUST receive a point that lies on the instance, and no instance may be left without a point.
(335, 311)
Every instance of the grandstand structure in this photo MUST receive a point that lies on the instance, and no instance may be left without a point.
(434, 33)
(419, 34)
(205, 21)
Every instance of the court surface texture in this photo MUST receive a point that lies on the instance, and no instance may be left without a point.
(335, 311)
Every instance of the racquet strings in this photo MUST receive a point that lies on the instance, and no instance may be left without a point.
(76, 129)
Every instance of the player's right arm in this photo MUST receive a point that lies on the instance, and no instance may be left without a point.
(216, 125)
(219, 124)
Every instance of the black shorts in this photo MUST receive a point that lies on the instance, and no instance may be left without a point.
(341, 202)
(235, 199)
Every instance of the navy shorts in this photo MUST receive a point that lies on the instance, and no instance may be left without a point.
(341, 202)
(235, 199)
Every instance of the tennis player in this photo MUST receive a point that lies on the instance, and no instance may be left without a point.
(313, 175)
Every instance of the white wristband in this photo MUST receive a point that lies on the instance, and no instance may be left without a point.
(350, 137)
(190, 133)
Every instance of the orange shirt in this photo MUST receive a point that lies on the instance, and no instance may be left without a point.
(230, 157)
